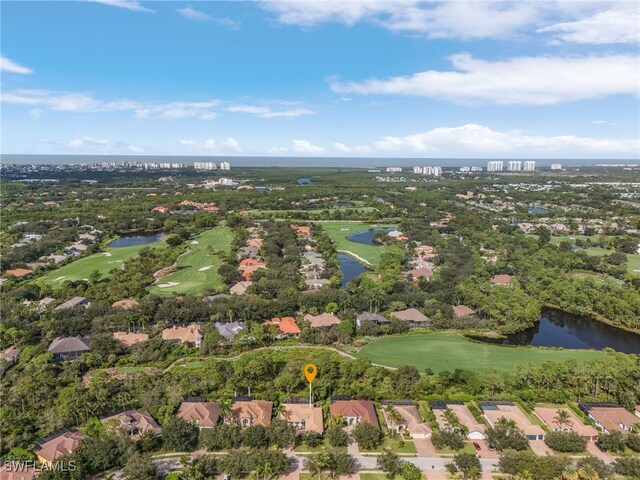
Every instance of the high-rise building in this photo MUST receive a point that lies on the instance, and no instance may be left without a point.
(427, 170)
(529, 166)
(205, 165)
(225, 166)
(417, 169)
(393, 169)
(556, 166)
(495, 166)
(514, 166)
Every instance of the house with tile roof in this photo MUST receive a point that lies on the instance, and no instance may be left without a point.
(201, 413)
(413, 317)
(129, 339)
(549, 416)
(58, 444)
(133, 423)
(403, 416)
(246, 412)
(303, 417)
(190, 335)
(324, 320)
(286, 325)
(355, 411)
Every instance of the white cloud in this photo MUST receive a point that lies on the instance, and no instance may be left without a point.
(473, 139)
(209, 144)
(306, 147)
(80, 102)
(91, 145)
(458, 19)
(523, 80)
(618, 24)
(35, 113)
(7, 65)
(192, 14)
(232, 144)
(187, 142)
(268, 112)
(360, 149)
(132, 5)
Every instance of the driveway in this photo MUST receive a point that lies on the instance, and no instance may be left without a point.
(540, 448)
(596, 452)
(484, 450)
(424, 447)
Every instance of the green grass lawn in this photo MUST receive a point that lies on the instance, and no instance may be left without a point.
(633, 259)
(468, 448)
(104, 262)
(448, 351)
(338, 231)
(197, 269)
(373, 476)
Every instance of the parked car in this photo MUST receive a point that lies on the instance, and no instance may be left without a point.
(476, 445)
(600, 447)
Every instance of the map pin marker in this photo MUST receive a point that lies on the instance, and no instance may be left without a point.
(310, 372)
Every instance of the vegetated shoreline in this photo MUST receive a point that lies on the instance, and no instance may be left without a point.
(593, 316)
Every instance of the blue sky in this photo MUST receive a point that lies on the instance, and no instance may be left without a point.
(367, 78)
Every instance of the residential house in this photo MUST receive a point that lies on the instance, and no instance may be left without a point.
(44, 303)
(17, 470)
(494, 411)
(317, 283)
(230, 330)
(303, 417)
(8, 357)
(408, 418)
(246, 412)
(286, 325)
(239, 288)
(133, 423)
(324, 320)
(203, 414)
(18, 272)
(418, 273)
(549, 416)
(460, 311)
(248, 252)
(413, 317)
(74, 302)
(475, 430)
(69, 348)
(190, 335)
(354, 411)
(503, 279)
(129, 339)
(58, 444)
(610, 416)
(371, 317)
(424, 252)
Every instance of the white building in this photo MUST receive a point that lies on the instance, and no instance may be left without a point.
(417, 169)
(225, 166)
(556, 166)
(205, 165)
(495, 166)
(529, 166)
(433, 171)
(514, 166)
(394, 169)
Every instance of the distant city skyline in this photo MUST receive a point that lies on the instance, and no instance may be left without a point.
(400, 80)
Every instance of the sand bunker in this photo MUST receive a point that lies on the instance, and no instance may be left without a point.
(107, 254)
(344, 229)
(168, 284)
(60, 278)
(204, 269)
(195, 242)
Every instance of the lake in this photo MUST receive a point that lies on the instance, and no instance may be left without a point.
(536, 209)
(350, 268)
(136, 239)
(366, 236)
(559, 329)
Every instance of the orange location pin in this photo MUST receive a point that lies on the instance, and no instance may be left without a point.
(310, 371)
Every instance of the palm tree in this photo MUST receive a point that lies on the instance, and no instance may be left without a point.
(393, 414)
(336, 421)
(570, 473)
(587, 472)
(562, 418)
(507, 423)
(225, 410)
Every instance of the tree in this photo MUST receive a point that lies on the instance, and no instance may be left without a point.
(281, 433)
(544, 235)
(221, 437)
(140, 467)
(255, 436)
(237, 463)
(566, 442)
(505, 434)
(389, 463)
(367, 436)
(409, 471)
(562, 418)
(628, 466)
(339, 462)
(200, 468)
(316, 463)
(447, 439)
(180, 436)
(336, 436)
(633, 442)
(468, 464)
(591, 463)
(613, 441)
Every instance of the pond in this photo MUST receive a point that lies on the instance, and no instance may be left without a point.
(350, 268)
(559, 329)
(366, 236)
(135, 239)
(536, 209)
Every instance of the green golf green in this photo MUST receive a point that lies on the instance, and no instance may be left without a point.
(339, 231)
(448, 351)
(198, 269)
(103, 262)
